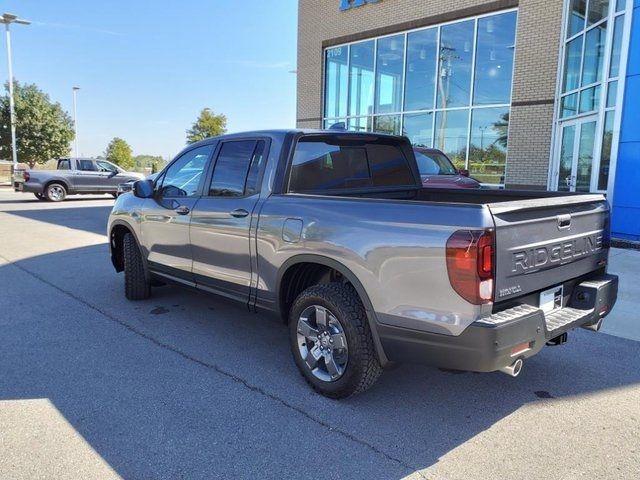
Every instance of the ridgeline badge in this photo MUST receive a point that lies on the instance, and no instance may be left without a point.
(349, 4)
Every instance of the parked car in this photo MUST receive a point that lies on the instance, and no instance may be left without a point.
(75, 176)
(335, 232)
(437, 171)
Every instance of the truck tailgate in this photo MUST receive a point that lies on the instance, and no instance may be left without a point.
(544, 242)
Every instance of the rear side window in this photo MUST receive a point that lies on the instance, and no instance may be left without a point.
(87, 166)
(322, 163)
(237, 171)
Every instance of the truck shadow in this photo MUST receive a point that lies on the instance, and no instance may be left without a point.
(184, 382)
(93, 219)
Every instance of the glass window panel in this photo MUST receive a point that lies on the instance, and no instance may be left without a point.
(616, 46)
(182, 178)
(598, 9)
(388, 166)
(389, 75)
(360, 124)
(230, 171)
(589, 99)
(569, 105)
(620, 5)
(418, 128)
(389, 124)
(456, 52)
(572, 57)
(566, 158)
(333, 122)
(605, 156)
(577, 13)
(585, 156)
(594, 54)
(421, 69)
(612, 94)
(494, 59)
(337, 78)
(451, 135)
(256, 170)
(361, 79)
(488, 146)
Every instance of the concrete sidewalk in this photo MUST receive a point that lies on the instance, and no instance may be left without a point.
(624, 320)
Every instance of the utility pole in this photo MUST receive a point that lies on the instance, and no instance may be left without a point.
(75, 120)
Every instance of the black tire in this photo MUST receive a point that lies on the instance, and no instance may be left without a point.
(40, 197)
(136, 284)
(362, 368)
(55, 192)
(114, 195)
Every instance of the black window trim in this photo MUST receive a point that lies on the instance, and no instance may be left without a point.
(214, 162)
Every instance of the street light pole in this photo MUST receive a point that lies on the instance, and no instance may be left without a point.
(75, 119)
(8, 19)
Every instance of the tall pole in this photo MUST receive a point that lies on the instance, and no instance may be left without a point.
(75, 119)
(12, 110)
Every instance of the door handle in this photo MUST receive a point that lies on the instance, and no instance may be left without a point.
(239, 213)
(183, 210)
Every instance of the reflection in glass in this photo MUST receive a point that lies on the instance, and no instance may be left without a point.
(494, 59)
(335, 122)
(418, 127)
(337, 78)
(612, 94)
(577, 13)
(589, 99)
(451, 135)
(620, 4)
(454, 66)
(605, 155)
(361, 79)
(598, 9)
(389, 124)
(566, 158)
(616, 47)
(585, 156)
(594, 54)
(421, 69)
(573, 55)
(569, 105)
(488, 147)
(360, 124)
(389, 66)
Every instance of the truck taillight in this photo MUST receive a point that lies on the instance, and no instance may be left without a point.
(26, 176)
(470, 264)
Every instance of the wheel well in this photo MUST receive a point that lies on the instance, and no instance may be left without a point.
(117, 246)
(60, 182)
(301, 276)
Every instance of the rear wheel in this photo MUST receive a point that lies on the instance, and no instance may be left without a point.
(136, 284)
(55, 192)
(331, 341)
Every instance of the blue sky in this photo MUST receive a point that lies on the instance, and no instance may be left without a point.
(146, 68)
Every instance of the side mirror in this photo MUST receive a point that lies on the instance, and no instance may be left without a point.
(143, 189)
(463, 172)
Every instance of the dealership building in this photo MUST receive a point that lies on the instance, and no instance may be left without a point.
(529, 94)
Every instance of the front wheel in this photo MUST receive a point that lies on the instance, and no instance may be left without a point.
(331, 341)
(136, 285)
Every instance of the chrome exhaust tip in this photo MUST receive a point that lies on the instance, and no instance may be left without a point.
(514, 369)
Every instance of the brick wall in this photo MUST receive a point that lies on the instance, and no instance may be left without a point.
(537, 45)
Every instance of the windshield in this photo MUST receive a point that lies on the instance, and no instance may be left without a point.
(431, 163)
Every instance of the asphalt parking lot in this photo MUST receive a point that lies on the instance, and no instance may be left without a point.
(189, 386)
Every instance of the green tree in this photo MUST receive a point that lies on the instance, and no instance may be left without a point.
(119, 152)
(44, 130)
(207, 125)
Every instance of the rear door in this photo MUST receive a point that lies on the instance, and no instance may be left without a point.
(544, 242)
(225, 216)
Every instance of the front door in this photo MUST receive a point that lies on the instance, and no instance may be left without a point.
(577, 169)
(166, 216)
(224, 217)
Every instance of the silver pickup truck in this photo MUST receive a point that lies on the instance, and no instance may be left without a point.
(74, 176)
(334, 232)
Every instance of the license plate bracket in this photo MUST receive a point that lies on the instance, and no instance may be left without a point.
(551, 299)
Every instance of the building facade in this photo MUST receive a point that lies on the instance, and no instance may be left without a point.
(536, 94)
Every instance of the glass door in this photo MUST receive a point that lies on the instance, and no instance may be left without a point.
(577, 147)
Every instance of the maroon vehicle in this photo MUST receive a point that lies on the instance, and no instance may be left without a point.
(437, 171)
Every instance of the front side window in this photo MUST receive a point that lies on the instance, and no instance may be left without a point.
(325, 164)
(183, 177)
(106, 167)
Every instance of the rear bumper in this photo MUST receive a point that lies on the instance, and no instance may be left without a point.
(487, 344)
(29, 187)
